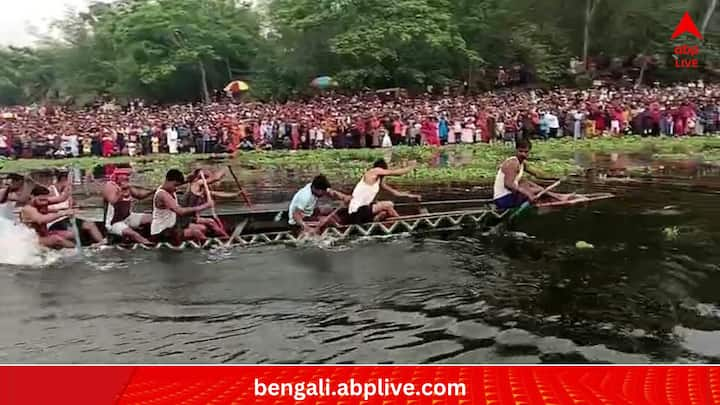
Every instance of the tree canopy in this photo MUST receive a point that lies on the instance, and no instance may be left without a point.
(182, 50)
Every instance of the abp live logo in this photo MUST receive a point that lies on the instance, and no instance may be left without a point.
(686, 56)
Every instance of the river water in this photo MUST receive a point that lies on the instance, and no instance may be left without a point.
(646, 293)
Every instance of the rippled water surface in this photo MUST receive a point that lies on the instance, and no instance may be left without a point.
(647, 292)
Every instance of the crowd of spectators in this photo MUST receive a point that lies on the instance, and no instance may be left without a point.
(365, 120)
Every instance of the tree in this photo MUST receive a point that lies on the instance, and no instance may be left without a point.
(373, 42)
(180, 50)
(590, 8)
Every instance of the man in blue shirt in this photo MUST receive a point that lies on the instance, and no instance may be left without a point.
(304, 212)
(443, 130)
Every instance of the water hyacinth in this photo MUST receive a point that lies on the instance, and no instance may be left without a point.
(475, 163)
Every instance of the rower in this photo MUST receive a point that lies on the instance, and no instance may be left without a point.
(197, 196)
(61, 188)
(18, 191)
(510, 190)
(36, 216)
(12, 193)
(304, 212)
(363, 208)
(166, 209)
(60, 198)
(118, 198)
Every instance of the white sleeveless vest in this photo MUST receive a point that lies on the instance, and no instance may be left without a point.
(363, 194)
(162, 218)
(499, 189)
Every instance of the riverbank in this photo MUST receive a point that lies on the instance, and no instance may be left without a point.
(455, 163)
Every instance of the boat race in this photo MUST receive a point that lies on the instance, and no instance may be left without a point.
(289, 183)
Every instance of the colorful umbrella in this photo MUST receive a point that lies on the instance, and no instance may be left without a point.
(323, 82)
(237, 86)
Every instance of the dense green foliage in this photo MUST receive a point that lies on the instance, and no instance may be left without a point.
(173, 50)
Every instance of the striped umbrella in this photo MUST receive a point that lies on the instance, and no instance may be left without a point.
(323, 82)
(237, 86)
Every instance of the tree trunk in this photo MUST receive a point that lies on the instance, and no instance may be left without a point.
(590, 7)
(469, 79)
(708, 15)
(229, 70)
(203, 82)
(586, 36)
(641, 76)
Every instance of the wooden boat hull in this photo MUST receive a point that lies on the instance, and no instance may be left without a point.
(267, 226)
(274, 217)
(250, 227)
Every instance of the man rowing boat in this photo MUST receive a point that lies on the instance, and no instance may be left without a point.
(118, 199)
(196, 196)
(304, 212)
(35, 215)
(13, 192)
(363, 208)
(166, 209)
(510, 190)
(60, 198)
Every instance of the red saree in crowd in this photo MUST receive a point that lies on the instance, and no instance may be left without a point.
(107, 146)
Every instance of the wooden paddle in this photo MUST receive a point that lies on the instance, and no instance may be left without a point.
(242, 190)
(527, 204)
(327, 219)
(238, 230)
(214, 213)
(73, 221)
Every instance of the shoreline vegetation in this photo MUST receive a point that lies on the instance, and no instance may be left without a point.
(473, 163)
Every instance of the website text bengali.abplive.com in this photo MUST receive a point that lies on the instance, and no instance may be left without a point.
(380, 387)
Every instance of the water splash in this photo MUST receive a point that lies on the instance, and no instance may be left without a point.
(20, 245)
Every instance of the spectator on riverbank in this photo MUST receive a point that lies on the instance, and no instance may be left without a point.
(362, 120)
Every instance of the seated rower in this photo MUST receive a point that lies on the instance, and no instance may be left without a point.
(118, 199)
(197, 196)
(304, 212)
(510, 190)
(164, 225)
(61, 199)
(363, 208)
(36, 216)
(13, 193)
(17, 194)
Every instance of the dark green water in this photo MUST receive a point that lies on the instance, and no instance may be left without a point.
(647, 292)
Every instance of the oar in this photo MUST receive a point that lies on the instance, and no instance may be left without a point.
(320, 225)
(35, 182)
(327, 219)
(242, 190)
(238, 230)
(214, 214)
(73, 221)
(446, 202)
(527, 204)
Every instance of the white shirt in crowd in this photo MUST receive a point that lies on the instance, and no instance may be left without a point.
(172, 140)
(457, 127)
(386, 142)
(71, 144)
(552, 121)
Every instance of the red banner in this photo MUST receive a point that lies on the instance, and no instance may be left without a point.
(432, 385)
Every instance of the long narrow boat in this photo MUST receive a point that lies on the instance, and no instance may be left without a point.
(268, 225)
